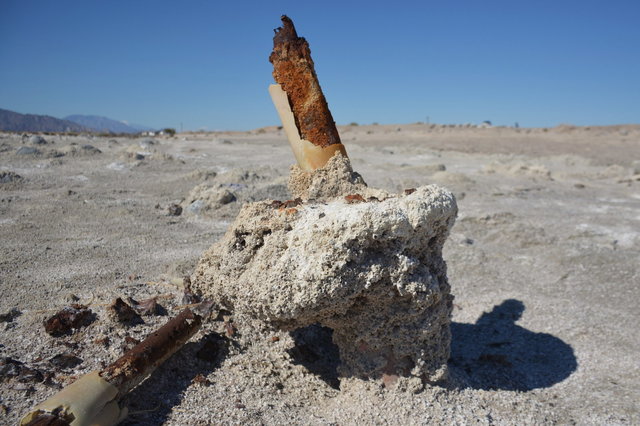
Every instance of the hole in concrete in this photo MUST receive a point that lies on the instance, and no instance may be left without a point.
(314, 349)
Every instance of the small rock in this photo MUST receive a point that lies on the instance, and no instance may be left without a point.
(67, 319)
(354, 198)
(229, 328)
(205, 197)
(117, 166)
(27, 150)
(129, 342)
(206, 308)
(10, 316)
(103, 341)
(196, 207)
(123, 313)
(37, 140)
(202, 174)
(147, 143)
(65, 360)
(71, 298)
(14, 369)
(226, 197)
(463, 240)
(188, 297)
(91, 149)
(9, 176)
(149, 307)
(55, 154)
(201, 380)
(175, 210)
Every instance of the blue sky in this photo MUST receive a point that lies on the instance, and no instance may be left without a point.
(205, 63)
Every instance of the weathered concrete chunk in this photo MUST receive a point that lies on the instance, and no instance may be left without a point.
(371, 271)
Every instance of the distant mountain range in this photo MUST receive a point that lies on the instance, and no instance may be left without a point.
(16, 122)
(104, 124)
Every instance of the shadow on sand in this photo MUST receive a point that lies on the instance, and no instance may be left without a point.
(152, 401)
(315, 350)
(495, 353)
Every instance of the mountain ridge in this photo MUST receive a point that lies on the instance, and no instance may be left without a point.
(16, 122)
(12, 121)
(105, 124)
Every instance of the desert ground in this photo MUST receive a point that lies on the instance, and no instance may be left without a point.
(543, 261)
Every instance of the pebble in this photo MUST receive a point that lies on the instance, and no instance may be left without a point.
(147, 143)
(91, 149)
(37, 140)
(123, 313)
(9, 176)
(27, 150)
(11, 315)
(65, 360)
(175, 210)
(69, 318)
(14, 369)
(71, 298)
(196, 207)
(116, 166)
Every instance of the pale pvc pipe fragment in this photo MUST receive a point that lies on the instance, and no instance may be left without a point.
(90, 400)
(309, 156)
(93, 399)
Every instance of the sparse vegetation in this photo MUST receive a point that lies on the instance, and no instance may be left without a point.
(169, 131)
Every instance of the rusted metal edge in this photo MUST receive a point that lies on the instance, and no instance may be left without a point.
(294, 71)
(140, 361)
(309, 156)
(93, 399)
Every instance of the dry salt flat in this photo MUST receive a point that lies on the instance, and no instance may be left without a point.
(542, 262)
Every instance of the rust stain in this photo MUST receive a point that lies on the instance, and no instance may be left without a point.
(294, 70)
(354, 198)
(142, 359)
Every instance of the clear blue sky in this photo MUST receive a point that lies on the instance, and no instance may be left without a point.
(205, 63)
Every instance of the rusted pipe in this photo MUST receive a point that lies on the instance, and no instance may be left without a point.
(140, 361)
(299, 100)
(93, 398)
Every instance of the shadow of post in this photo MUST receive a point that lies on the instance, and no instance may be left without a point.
(495, 353)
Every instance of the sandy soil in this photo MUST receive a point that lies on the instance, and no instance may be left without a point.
(543, 262)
